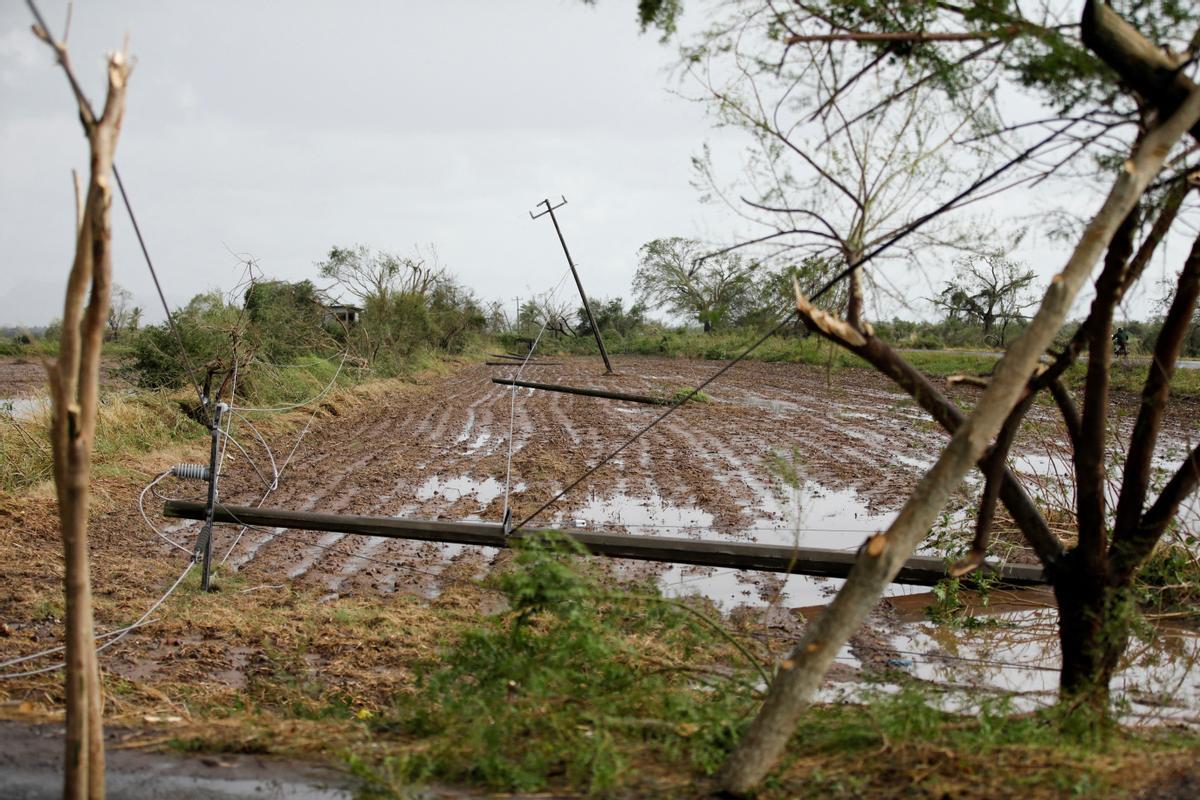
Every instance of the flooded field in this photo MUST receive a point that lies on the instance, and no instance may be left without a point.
(781, 454)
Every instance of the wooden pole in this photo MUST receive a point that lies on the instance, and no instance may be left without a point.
(587, 308)
(919, 570)
(554, 387)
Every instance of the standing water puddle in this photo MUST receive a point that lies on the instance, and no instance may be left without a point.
(453, 489)
(1015, 655)
(819, 517)
(19, 408)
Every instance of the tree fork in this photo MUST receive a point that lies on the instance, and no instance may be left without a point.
(74, 379)
(794, 687)
(881, 356)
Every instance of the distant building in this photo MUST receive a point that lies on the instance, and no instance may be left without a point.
(347, 315)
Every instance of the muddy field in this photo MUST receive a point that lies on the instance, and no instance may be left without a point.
(779, 453)
(852, 449)
(440, 451)
(711, 470)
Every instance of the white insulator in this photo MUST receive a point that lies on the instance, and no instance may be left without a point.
(195, 472)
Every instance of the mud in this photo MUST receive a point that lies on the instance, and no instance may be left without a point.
(852, 448)
(24, 377)
(439, 451)
(781, 453)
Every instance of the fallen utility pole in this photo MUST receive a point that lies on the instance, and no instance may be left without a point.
(554, 387)
(919, 570)
(519, 364)
(578, 284)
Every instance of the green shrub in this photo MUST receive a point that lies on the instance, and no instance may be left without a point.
(558, 688)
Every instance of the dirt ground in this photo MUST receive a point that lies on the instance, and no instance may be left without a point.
(440, 451)
(438, 448)
(26, 376)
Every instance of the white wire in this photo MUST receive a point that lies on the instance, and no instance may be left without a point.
(512, 405)
(278, 472)
(228, 425)
(60, 648)
(311, 400)
(121, 635)
(153, 527)
(270, 484)
(262, 441)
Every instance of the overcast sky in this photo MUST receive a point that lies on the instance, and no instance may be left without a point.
(280, 129)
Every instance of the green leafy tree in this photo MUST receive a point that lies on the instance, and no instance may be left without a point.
(675, 274)
(1122, 112)
(612, 317)
(990, 291)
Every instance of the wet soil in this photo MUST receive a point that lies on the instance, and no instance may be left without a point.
(439, 450)
(25, 376)
(31, 766)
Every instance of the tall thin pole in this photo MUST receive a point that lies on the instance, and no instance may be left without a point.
(587, 308)
(204, 545)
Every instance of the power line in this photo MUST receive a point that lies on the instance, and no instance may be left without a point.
(120, 634)
(670, 410)
(512, 407)
(908, 229)
(82, 99)
(137, 230)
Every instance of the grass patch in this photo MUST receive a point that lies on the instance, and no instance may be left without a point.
(127, 424)
(685, 393)
(571, 687)
(899, 745)
(1127, 375)
(1170, 581)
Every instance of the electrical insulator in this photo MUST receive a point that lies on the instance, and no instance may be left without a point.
(195, 472)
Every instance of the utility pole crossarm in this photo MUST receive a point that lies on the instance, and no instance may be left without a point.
(587, 308)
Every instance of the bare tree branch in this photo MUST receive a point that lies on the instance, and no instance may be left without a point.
(1133, 542)
(907, 37)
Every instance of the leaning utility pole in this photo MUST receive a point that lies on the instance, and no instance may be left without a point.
(587, 308)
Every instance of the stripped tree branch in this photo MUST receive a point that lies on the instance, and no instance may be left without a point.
(881, 356)
(74, 389)
(877, 564)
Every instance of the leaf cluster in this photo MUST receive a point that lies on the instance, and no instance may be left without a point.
(561, 688)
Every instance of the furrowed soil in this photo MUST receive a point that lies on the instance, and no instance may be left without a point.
(348, 613)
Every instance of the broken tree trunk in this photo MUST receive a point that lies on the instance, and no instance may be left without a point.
(803, 672)
(74, 387)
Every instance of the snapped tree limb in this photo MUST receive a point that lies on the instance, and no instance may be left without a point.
(794, 687)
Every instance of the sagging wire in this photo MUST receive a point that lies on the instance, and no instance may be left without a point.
(274, 483)
(60, 648)
(279, 472)
(151, 525)
(121, 634)
(315, 398)
(512, 408)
